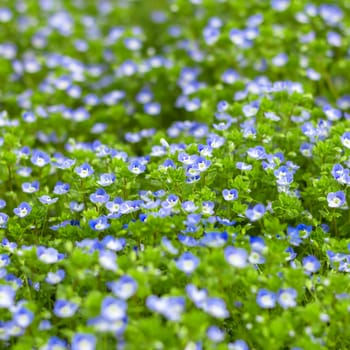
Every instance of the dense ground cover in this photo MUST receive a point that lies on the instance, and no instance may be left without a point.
(174, 174)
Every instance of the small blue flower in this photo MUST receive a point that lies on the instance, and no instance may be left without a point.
(198, 296)
(255, 213)
(64, 308)
(84, 170)
(215, 307)
(48, 255)
(345, 139)
(136, 167)
(61, 188)
(170, 307)
(7, 296)
(106, 179)
(100, 196)
(237, 257)
(40, 158)
(45, 199)
(113, 309)
(187, 262)
(100, 223)
(30, 187)
(215, 334)
(84, 341)
(108, 260)
(336, 199)
(3, 220)
(286, 297)
(23, 210)
(230, 195)
(266, 299)
(311, 264)
(238, 345)
(23, 317)
(152, 108)
(124, 288)
(55, 277)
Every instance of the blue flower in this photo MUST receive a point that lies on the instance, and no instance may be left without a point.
(100, 223)
(311, 264)
(136, 167)
(187, 262)
(238, 345)
(230, 195)
(3, 220)
(64, 308)
(236, 257)
(215, 334)
(170, 307)
(45, 199)
(124, 288)
(84, 341)
(255, 213)
(30, 187)
(345, 139)
(108, 260)
(286, 297)
(61, 188)
(55, 277)
(266, 299)
(84, 170)
(113, 243)
(215, 307)
(152, 108)
(336, 199)
(48, 255)
(198, 296)
(7, 296)
(23, 317)
(40, 158)
(56, 343)
(23, 210)
(214, 239)
(106, 179)
(100, 196)
(113, 309)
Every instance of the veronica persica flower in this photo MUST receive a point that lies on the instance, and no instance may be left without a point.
(336, 199)
(99, 224)
(215, 307)
(7, 296)
(48, 255)
(124, 288)
(187, 262)
(108, 260)
(23, 317)
(255, 213)
(113, 309)
(345, 139)
(266, 299)
(55, 277)
(230, 195)
(23, 210)
(286, 297)
(311, 264)
(64, 308)
(82, 341)
(84, 170)
(40, 158)
(45, 199)
(237, 257)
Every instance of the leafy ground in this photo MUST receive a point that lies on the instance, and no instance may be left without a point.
(174, 174)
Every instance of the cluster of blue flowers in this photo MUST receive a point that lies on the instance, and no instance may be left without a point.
(174, 183)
